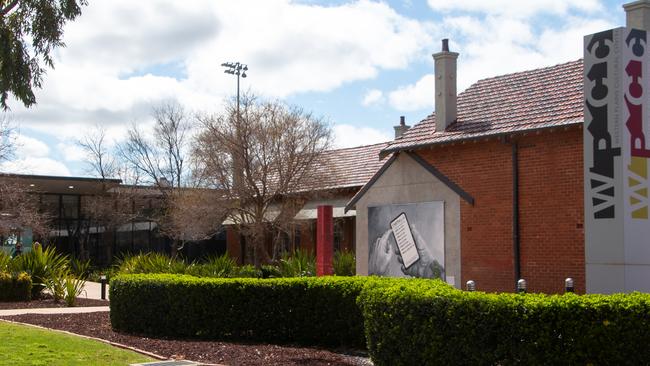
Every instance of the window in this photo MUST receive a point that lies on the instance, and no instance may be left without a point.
(70, 207)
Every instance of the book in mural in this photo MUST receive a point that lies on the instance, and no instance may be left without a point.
(407, 240)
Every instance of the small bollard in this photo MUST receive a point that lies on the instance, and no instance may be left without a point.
(470, 285)
(521, 286)
(568, 285)
(102, 280)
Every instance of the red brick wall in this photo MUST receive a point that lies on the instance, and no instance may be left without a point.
(551, 209)
(233, 245)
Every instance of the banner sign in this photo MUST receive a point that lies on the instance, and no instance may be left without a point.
(617, 120)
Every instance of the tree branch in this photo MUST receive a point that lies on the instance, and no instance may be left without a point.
(4, 11)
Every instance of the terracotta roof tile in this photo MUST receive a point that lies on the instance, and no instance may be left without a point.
(540, 98)
(351, 167)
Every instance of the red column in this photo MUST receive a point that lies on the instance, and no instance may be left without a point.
(324, 241)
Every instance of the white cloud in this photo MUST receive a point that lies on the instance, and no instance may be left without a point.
(119, 54)
(34, 165)
(518, 9)
(373, 96)
(30, 147)
(498, 44)
(71, 151)
(32, 156)
(415, 96)
(350, 136)
(500, 47)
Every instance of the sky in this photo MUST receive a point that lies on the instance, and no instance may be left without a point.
(359, 65)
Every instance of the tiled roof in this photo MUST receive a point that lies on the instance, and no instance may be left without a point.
(351, 167)
(529, 100)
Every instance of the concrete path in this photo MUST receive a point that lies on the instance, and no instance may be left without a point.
(73, 310)
(93, 290)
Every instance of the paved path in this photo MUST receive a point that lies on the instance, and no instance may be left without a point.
(93, 290)
(73, 310)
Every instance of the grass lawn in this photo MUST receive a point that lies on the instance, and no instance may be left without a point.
(22, 345)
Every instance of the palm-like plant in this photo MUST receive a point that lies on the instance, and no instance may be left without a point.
(73, 288)
(216, 266)
(5, 261)
(151, 263)
(43, 265)
(301, 263)
(344, 263)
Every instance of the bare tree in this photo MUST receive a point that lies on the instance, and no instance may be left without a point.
(264, 162)
(192, 215)
(101, 161)
(19, 208)
(7, 137)
(160, 159)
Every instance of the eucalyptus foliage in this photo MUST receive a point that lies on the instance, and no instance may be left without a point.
(30, 30)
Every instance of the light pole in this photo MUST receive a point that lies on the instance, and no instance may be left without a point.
(239, 69)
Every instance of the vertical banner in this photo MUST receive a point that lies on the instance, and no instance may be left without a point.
(636, 92)
(616, 89)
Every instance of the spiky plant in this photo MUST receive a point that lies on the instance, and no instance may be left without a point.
(301, 263)
(73, 288)
(344, 263)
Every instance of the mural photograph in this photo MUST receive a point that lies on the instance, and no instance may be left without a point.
(407, 240)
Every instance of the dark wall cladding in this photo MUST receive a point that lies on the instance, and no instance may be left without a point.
(75, 233)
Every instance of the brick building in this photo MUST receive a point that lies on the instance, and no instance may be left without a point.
(346, 171)
(513, 186)
(507, 162)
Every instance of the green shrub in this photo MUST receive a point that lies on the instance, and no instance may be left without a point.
(150, 263)
(41, 264)
(344, 263)
(311, 311)
(301, 263)
(96, 273)
(55, 283)
(439, 325)
(15, 287)
(80, 268)
(215, 266)
(5, 261)
(270, 271)
(248, 271)
(73, 287)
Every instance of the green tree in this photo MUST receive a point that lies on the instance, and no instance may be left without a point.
(29, 31)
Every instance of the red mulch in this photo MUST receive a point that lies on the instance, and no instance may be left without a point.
(48, 302)
(98, 325)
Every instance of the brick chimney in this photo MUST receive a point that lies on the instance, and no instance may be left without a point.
(401, 128)
(445, 73)
(638, 14)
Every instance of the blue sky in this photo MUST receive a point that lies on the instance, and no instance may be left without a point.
(359, 64)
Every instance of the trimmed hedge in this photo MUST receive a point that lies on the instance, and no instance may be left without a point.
(439, 325)
(15, 287)
(311, 311)
(407, 322)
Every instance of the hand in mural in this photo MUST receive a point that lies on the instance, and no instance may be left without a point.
(380, 254)
(427, 266)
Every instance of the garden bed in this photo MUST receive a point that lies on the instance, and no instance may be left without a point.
(98, 325)
(48, 302)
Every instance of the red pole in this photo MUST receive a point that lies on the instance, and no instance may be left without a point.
(324, 241)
